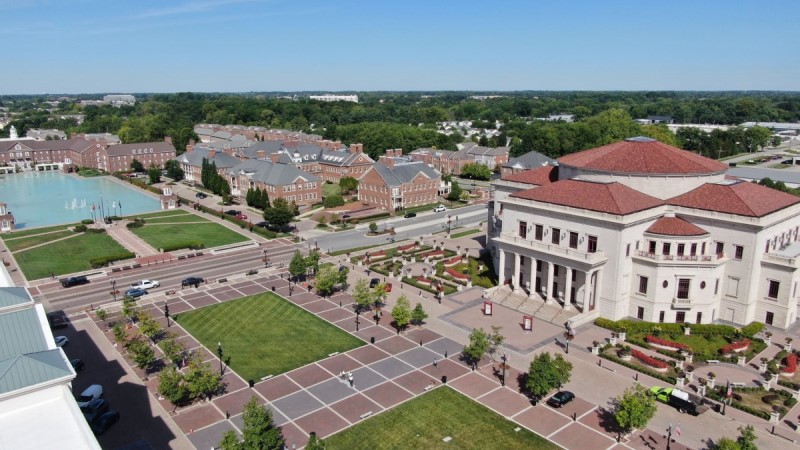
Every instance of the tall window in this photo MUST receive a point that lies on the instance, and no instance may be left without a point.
(680, 317)
(628, 250)
(661, 316)
(592, 246)
(556, 239)
(666, 248)
(683, 288)
(523, 230)
(774, 287)
(739, 252)
(538, 233)
(720, 248)
(681, 249)
(643, 285)
(699, 317)
(693, 250)
(573, 239)
(652, 248)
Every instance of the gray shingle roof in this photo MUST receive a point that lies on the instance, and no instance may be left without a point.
(195, 158)
(530, 160)
(146, 147)
(272, 174)
(404, 173)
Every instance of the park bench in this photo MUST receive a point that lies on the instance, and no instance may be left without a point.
(712, 361)
(366, 414)
(429, 387)
(222, 280)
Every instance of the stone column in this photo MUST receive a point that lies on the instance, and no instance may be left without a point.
(567, 289)
(598, 284)
(515, 275)
(532, 278)
(587, 287)
(549, 285)
(501, 271)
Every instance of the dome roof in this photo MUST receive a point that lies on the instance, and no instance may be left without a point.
(642, 155)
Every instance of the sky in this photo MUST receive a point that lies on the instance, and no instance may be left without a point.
(131, 46)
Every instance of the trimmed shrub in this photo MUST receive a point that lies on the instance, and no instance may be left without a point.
(87, 221)
(96, 230)
(752, 329)
(193, 245)
(80, 228)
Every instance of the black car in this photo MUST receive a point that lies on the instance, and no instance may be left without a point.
(346, 216)
(192, 281)
(104, 421)
(233, 212)
(77, 364)
(200, 195)
(374, 282)
(560, 399)
(94, 409)
(262, 224)
(57, 321)
(410, 215)
(74, 281)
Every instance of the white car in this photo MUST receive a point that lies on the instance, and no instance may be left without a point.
(93, 392)
(146, 284)
(439, 208)
(61, 341)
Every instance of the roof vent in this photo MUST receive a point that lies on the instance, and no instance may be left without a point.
(640, 139)
(728, 182)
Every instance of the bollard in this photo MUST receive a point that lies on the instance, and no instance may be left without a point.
(372, 340)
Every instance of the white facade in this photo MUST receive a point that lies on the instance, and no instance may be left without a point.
(695, 248)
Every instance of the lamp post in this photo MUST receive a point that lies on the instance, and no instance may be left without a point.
(220, 353)
(357, 322)
(114, 288)
(166, 312)
(670, 429)
(266, 258)
(504, 366)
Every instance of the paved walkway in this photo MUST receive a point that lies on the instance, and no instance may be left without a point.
(120, 233)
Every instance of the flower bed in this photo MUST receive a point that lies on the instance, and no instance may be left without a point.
(738, 346)
(456, 274)
(668, 345)
(379, 254)
(423, 280)
(405, 248)
(433, 254)
(791, 365)
(609, 352)
(452, 261)
(658, 364)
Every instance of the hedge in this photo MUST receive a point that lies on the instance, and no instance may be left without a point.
(789, 384)
(80, 228)
(103, 261)
(652, 373)
(87, 221)
(635, 326)
(193, 245)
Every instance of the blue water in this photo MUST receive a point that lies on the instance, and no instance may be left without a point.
(51, 198)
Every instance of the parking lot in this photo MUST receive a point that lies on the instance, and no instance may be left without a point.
(141, 425)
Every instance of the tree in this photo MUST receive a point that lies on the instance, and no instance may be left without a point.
(312, 262)
(540, 380)
(280, 214)
(562, 371)
(172, 386)
(315, 443)
(174, 170)
(202, 381)
(259, 433)
(332, 201)
(343, 272)
(373, 227)
(747, 438)
(129, 308)
(297, 266)
(149, 326)
(418, 315)
(476, 171)
(327, 278)
(495, 340)
(230, 441)
(634, 408)
(137, 166)
(154, 174)
(455, 191)
(362, 295)
(143, 354)
(401, 312)
(348, 184)
(173, 350)
(477, 347)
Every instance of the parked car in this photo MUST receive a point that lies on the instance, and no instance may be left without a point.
(201, 195)
(233, 212)
(192, 281)
(94, 408)
(146, 284)
(374, 282)
(346, 216)
(74, 281)
(93, 392)
(560, 399)
(677, 398)
(439, 208)
(57, 321)
(388, 287)
(77, 364)
(103, 422)
(409, 215)
(241, 216)
(135, 293)
(262, 224)
(61, 341)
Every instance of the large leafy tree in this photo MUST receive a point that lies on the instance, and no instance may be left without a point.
(476, 171)
(477, 347)
(401, 312)
(202, 381)
(348, 184)
(297, 266)
(172, 386)
(634, 408)
(258, 433)
(362, 295)
(418, 315)
(455, 191)
(174, 170)
(327, 279)
(280, 214)
(137, 166)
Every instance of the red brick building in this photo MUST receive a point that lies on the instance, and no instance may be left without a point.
(395, 183)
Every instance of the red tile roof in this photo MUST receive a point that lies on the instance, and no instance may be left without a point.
(539, 176)
(742, 198)
(642, 155)
(675, 226)
(612, 198)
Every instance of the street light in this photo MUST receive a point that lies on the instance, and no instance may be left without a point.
(670, 429)
(266, 258)
(219, 353)
(166, 312)
(504, 366)
(357, 322)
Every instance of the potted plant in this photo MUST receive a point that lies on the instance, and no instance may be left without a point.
(595, 347)
(681, 379)
(767, 337)
(788, 346)
(763, 366)
(625, 353)
(689, 373)
(622, 334)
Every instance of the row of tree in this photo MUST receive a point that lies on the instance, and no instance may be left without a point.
(213, 181)
(257, 198)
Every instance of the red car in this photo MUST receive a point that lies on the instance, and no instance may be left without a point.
(241, 216)
(388, 287)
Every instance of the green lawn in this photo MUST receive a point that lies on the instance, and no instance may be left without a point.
(331, 189)
(32, 231)
(182, 218)
(67, 256)
(423, 422)
(159, 214)
(465, 233)
(264, 334)
(210, 234)
(22, 243)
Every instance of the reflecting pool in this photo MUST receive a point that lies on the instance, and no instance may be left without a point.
(50, 198)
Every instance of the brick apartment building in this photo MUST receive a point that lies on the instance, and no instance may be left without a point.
(530, 160)
(47, 155)
(395, 183)
(278, 180)
(451, 162)
(118, 158)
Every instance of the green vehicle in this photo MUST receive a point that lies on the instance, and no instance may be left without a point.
(677, 398)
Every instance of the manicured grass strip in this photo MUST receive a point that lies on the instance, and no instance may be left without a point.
(32, 231)
(465, 233)
(331, 189)
(166, 236)
(176, 212)
(176, 219)
(357, 249)
(416, 209)
(423, 422)
(265, 334)
(67, 256)
(18, 244)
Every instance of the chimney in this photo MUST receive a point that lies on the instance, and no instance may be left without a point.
(211, 154)
(356, 148)
(275, 157)
(261, 154)
(386, 161)
(228, 151)
(168, 140)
